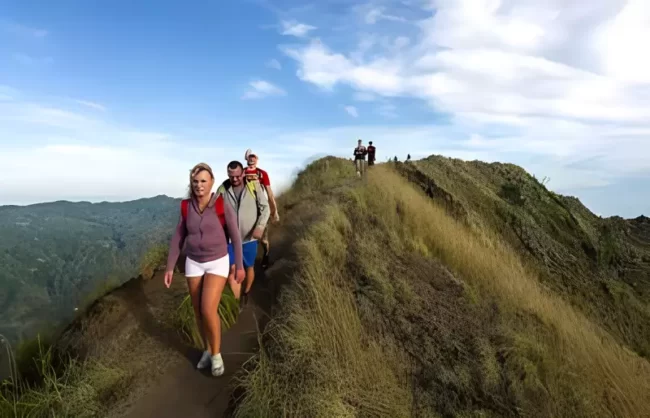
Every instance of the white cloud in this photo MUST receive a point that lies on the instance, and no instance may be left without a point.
(91, 105)
(375, 14)
(293, 28)
(260, 89)
(22, 30)
(73, 156)
(274, 64)
(352, 111)
(531, 81)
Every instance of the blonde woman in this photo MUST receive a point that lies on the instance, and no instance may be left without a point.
(204, 227)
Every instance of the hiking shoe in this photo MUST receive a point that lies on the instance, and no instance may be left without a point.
(205, 360)
(217, 365)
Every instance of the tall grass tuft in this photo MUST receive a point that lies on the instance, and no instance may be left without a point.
(73, 389)
(186, 321)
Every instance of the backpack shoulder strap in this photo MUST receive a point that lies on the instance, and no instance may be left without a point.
(251, 188)
(221, 212)
(185, 203)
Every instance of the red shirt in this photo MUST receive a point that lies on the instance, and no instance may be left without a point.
(258, 174)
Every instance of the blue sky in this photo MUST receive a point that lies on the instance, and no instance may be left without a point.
(117, 100)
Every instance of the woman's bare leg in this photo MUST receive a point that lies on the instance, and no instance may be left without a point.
(194, 285)
(211, 296)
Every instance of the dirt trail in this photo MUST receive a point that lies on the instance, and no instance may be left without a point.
(168, 384)
(183, 391)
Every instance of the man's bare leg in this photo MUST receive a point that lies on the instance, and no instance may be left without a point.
(250, 277)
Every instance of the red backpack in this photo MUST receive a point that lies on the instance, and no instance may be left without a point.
(218, 207)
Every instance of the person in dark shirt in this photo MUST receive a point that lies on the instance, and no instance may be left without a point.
(371, 153)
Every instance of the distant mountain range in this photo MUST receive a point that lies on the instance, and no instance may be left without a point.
(54, 255)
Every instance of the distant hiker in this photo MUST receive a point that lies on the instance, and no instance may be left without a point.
(204, 226)
(251, 206)
(360, 158)
(371, 153)
(253, 172)
(408, 158)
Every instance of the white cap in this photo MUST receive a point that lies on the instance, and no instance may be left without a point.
(249, 152)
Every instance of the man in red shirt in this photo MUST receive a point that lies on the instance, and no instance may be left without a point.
(252, 173)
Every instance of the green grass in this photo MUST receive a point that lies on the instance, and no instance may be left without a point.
(186, 321)
(154, 259)
(62, 388)
(397, 309)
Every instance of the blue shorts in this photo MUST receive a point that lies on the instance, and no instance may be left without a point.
(250, 253)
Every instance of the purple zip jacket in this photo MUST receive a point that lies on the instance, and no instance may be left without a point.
(203, 235)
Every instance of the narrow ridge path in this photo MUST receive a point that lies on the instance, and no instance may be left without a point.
(184, 391)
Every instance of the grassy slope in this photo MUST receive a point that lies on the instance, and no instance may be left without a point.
(89, 366)
(602, 266)
(396, 309)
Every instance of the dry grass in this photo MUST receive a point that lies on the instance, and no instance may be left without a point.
(321, 362)
(369, 309)
(70, 389)
(608, 379)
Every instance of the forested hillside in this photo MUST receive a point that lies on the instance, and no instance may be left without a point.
(55, 255)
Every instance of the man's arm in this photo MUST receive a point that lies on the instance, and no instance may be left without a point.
(272, 204)
(262, 206)
(266, 185)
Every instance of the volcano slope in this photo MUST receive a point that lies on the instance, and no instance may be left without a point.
(395, 304)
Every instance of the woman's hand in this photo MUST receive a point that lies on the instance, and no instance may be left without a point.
(240, 276)
(169, 275)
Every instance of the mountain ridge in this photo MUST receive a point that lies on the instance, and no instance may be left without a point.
(444, 288)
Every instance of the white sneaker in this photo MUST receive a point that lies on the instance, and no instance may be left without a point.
(217, 365)
(205, 360)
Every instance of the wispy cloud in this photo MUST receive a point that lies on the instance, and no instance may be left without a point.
(376, 14)
(91, 105)
(294, 28)
(28, 60)
(7, 93)
(260, 89)
(364, 96)
(23, 30)
(273, 63)
(352, 111)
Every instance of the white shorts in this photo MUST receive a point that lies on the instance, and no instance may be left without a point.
(219, 267)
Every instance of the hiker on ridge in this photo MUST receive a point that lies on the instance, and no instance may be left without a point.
(204, 225)
(371, 153)
(252, 173)
(360, 158)
(251, 207)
